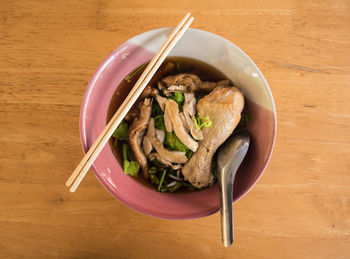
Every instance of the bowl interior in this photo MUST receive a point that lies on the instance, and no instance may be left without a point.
(203, 46)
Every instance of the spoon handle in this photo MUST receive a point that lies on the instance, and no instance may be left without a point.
(226, 188)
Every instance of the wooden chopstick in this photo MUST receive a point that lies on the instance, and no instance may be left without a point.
(144, 79)
(95, 149)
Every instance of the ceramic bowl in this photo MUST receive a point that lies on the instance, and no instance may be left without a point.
(203, 46)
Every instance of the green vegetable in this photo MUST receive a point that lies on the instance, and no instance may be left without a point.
(130, 167)
(121, 133)
(199, 122)
(175, 187)
(129, 77)
(174, 143)
(161, 180)
(159, 122)
(126, 152)
(172, 188)
(152, 170)
(179, 98)
(156, 110)
(189, 153)
(154, 179)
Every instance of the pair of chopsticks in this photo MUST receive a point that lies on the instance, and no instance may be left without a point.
(79, 173)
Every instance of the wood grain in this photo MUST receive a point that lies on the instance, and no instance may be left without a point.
(49, 50)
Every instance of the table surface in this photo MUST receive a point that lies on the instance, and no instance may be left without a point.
(48, 52)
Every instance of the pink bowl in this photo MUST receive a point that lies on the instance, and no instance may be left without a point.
(204, 46)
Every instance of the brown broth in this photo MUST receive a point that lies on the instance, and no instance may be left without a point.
(204, 71)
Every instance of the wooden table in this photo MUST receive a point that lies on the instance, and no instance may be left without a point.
(299, 209)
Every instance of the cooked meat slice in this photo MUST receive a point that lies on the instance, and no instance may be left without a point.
(189, 112)
(136, 131)
(209, 86)
(160, 134)
(177, 88)
(171, 156)
(188, 83)
(163, 87)
(176, 166)
(167, 121)
(161, 101)
(184, 122)
(147, 145)
(189, 104)
(156, 156)
(154, 92)
(133, 111)
(148, 91)
(172, 113)
(223, 106)
(191, 82)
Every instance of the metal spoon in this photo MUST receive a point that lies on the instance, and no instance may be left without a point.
(230, 157)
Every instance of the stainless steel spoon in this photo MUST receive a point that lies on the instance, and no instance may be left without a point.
(230, 157)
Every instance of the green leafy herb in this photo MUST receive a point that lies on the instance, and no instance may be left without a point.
(189, 153)
(152, 170)
(126, 152)
(130, 167)
(174, 143)
(156, 110)
(179, 98)
(121, 133)
(154, 179)
(159, 122)
(175, 187)
(199, 122)
(129, 77)
(161, 180)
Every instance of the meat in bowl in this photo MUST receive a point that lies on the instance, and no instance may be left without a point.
(181, 119)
